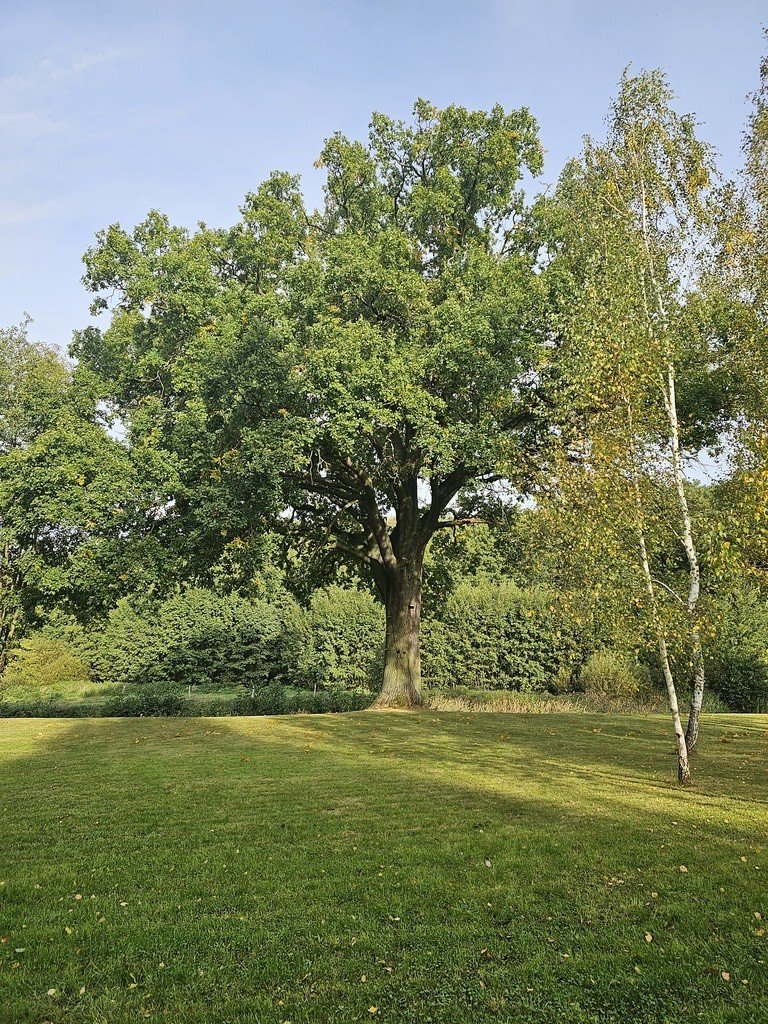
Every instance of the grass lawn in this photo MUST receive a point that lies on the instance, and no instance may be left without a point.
(433, 867)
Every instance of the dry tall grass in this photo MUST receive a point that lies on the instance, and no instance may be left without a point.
(544, 704)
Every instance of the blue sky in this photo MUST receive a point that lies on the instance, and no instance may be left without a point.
(110, 109)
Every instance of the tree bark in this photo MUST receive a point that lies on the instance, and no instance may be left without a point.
(697, 696)
(691, 554)
(401, 687)
(683, 767)
(6, 638)
(694, 575)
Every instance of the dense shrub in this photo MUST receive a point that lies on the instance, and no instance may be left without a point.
(277, 701)
(494, 634)
(193, 638)
(147, 703)
(44, 663)
(741, 680)
(36, 708)
(714, 703)
(342, 642)
(737, 662)
(610, 674)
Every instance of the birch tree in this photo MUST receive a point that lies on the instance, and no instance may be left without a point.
(739, 279)
(632, 216)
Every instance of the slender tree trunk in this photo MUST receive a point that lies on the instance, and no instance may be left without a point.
(683, 768)
(6, 638)
(697, 696)
(401, 687)
(694, 573)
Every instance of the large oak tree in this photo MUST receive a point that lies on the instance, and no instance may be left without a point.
(358, 368)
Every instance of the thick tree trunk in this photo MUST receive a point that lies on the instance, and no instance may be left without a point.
(401, 687)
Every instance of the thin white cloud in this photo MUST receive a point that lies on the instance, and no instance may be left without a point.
(76, 65)
(29, 123)
(14, 214)
(27, 96)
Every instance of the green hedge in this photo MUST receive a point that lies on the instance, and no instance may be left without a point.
(741, 680)
(195, 638)
(737, 658)
(272, 700)
(339, 641)
(496, 635)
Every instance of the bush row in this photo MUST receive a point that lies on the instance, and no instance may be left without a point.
(490, 635)
(145, 703)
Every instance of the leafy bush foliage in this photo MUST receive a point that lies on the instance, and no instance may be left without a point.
(275, 700)
(741, 680)
(193, 638)
(610, 674)
(496, 635)
(737, 666)
(144, 702)
(44, 663)
(341, 641)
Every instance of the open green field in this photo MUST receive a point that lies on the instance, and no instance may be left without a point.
(390, 867)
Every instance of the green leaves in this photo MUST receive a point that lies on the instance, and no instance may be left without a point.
(339, 358)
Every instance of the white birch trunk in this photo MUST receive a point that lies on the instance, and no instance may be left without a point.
(683, 768)
(694, 573)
